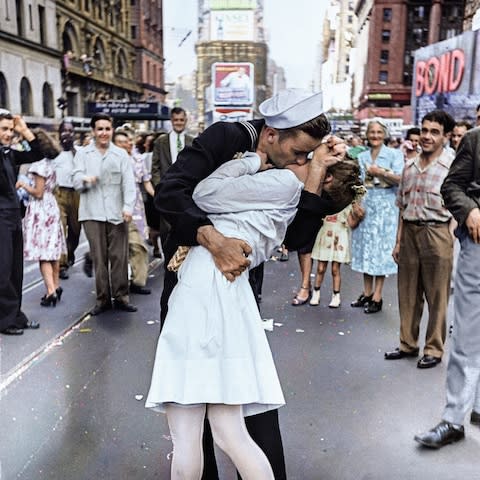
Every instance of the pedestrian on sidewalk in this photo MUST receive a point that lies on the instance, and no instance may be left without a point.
(284, 138)
(461, 194)
(43, 238)
(67, 198)
(333, 244)
(137, 228)
(12, 320)
(374, 239)
(424, 246)
(103, 175)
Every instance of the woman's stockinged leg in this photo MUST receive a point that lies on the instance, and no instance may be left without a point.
(186, 430)
(231, 435)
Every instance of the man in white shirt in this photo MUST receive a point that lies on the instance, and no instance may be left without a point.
(103, 175)
(67, 198)
(165, 151)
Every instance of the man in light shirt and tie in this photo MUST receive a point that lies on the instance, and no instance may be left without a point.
(165, 151)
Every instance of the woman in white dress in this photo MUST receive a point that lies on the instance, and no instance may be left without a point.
(212, 356)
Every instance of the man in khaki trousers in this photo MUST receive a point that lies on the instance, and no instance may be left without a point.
(424, 248)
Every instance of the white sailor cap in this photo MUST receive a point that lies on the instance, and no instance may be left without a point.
(291, 107)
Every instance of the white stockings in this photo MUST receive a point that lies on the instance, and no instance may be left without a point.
(229, 433)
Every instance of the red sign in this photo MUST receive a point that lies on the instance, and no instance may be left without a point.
(440, 74)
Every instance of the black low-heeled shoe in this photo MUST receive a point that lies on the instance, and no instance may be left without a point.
(49, 300)
(59, 292)
(361, 301)
(373, 307)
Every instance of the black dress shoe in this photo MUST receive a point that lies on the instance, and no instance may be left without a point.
(373, 307)
(98, 309)
(63, 274)
(31, 324)
(397, 354)
(475, 418)
(88, 265)
(140, 290)
(12, 330)
(361, 301)
(427, 361)
(126, 307)
(443, 434)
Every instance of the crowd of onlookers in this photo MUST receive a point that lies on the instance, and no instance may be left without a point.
(103, 182)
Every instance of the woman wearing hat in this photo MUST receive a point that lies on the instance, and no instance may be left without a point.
(374, 239)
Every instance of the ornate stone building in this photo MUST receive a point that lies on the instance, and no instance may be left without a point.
(98, 55)
(29, 60)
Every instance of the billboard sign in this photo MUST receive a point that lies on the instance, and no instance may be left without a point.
(133, 110)
(232, 25)
(447, 77)
(232, 114)
(233, 83)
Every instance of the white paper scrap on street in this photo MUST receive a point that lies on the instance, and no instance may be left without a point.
(299, 330)
(267, 324)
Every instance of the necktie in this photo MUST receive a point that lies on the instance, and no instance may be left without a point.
(179, 143)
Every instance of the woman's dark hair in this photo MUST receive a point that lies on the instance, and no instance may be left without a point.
(47, 144)
(317, 128)
(346, 176)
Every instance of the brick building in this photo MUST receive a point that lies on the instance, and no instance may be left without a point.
(389, 31)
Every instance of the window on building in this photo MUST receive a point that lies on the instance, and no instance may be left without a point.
(47, 101)
(3, 92)
(86, 5)
(30, 16)
(385, 36)
(383, 77)
(133, 3)
(419, 12)
(384, 57)
(133, 30)
(25, 97)
(41, 21)
(99, 54)
(387, 14)
(122, 69)
(20, 21)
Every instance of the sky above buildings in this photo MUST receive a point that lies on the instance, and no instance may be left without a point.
(293, 29)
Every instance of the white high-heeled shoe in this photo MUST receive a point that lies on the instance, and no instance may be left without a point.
(315, 300)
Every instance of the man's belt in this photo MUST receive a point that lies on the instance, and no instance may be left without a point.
(426, 222)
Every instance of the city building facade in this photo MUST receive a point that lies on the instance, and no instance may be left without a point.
(389, 32)
(30, 79)
(231, 46)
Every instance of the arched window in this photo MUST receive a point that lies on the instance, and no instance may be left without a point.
(122, 65)
(99, 54)
(47, 101)
(25, 97)
(69, 39)
(3, 92)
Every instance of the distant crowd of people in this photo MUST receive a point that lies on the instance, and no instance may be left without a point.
(215, 208)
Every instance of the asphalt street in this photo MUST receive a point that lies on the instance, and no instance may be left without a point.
(72, 393)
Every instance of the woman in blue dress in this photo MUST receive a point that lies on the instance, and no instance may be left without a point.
(374, 239)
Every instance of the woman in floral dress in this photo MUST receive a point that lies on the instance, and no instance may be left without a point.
(42, 230)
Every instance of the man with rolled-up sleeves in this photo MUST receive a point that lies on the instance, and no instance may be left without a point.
(103, 175)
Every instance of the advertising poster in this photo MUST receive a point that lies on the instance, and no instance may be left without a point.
(447, 77)
(233, 83)
(232, 25)
(232, 114)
